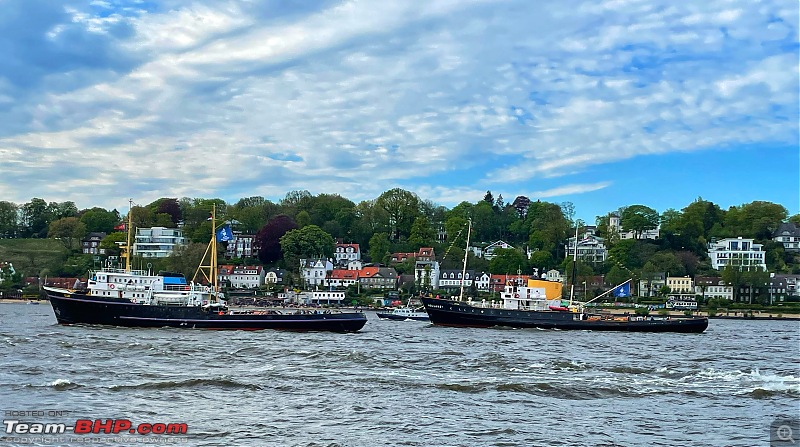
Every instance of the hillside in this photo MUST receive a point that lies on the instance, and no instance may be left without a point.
(31, 256)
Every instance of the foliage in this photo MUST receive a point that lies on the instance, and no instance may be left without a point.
(8, 220)
(508, 260)
(69, 230)
(422, 234)
(379, 247)
(170, 207)
(267, 240)
(401, 207)
(99, 220)
(307, 242)
(639, 218)
(187, 259)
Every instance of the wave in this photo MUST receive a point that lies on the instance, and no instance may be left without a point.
(222, 382)
(58, 384)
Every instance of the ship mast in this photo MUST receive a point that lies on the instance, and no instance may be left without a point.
(211, 252)
(464, 268)
(574, 265)
(128, 240)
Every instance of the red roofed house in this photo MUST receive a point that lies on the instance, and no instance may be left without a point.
(342, 278)
(242, 276)
(378, 277)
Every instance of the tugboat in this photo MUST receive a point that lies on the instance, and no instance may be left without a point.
(138, 298)
(405, 313)
(529, 307)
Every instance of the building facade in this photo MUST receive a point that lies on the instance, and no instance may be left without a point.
(615, 225)
(738, 252)
(157, 242)
(591, 249)
(788, 234)
(242, 276)
(91, 243)
(345, 253)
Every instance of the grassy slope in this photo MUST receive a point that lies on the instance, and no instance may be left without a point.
(31, 256)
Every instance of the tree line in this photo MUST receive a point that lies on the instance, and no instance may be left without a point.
(303, 225)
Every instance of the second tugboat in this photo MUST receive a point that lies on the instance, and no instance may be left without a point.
(523, 306)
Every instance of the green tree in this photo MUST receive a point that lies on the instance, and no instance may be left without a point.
(542, 260)
(99, 220)
(733, 276)
(668, 263)
(35, 218)
(616, 276)
(508, 260)
(548, 227)
(422, 234)
(757, 282)
(760, 219)
(69, 230)
(303, 219)
(253, 213)
(639, 218)
(401, 207)
(111, 243)
(307, 242)
(186, 259)
(379, 247)
(8, 220)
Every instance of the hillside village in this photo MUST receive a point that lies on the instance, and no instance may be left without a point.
(690, 271)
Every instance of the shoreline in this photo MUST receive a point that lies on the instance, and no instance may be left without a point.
(757, 315)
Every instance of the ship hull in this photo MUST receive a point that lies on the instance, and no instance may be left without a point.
(76, 308)
(390, 316)
(460, 314)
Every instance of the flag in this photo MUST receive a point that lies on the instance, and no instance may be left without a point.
(623, 290)
(224, 234)
(120, 227)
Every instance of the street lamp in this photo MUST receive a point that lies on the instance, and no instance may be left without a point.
(584, 291)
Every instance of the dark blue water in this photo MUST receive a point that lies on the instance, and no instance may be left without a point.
(405, 384)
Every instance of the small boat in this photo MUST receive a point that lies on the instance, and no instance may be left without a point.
(526, 307)
(405, 313)
(137, 298)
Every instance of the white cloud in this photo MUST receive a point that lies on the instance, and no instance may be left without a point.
(360, 97)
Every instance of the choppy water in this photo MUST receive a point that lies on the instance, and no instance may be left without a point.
(407, 383)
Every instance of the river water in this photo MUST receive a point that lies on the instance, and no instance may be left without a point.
(401, 383)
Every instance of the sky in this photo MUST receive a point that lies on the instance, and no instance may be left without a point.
(600, 103)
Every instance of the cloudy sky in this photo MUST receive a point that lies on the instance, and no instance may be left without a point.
(600, 103)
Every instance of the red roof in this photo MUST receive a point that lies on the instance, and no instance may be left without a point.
(343, 274)
(368, 272)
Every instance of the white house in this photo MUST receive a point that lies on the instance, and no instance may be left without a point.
(615, 225)
(489, 250)
(347, 252)
(315, 271)
(788, 234)
(591, 248)
(711, 287)
(91, 243)
(241, 246)
(555, 275)
(482, 281)
(453, 279)
(157, 242)
(274, 276)
(739, 252)
(242, 276)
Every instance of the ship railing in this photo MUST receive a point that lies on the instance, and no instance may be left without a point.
(123, 271)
